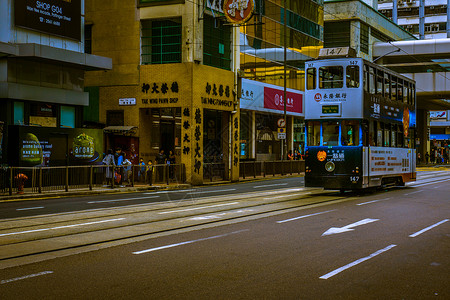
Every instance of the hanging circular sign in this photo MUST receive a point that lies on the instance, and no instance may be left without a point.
(238, 11)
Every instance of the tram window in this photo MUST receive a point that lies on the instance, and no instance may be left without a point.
(313, 131)
(379, 135)
(387, 136)
(406, 92)
(366, 79)
(330, 133)
(394, 88)
(379, 82)
(394, 136)
(311, 78)
(331, 77)
(413, 95)
(352, 76)
(350, 133)
(387, 85)
(400, 90)
(372, 84)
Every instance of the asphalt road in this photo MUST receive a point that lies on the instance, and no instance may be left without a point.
(392, 244)
(69, 204)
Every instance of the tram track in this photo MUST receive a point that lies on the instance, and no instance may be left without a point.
(131, 228)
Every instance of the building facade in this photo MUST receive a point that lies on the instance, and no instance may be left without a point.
(42, 97)
(173, 86)
(268, 69)
(426, 19)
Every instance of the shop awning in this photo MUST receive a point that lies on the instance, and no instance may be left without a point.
(120, 130)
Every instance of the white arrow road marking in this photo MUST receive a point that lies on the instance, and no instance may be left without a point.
(349, 227)
(339, 270)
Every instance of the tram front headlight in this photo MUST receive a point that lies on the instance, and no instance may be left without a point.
(330, 166)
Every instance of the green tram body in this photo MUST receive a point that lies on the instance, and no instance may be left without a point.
(360, 125)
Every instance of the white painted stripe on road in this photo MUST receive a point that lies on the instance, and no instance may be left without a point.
(207, 192)
(166, 192)
(61, 227)
(196, 208)
(364, 203)
(125, 199)
(25, 277)
(305, 216)
(356, 262)
(428, 228)
(413, 193)
(433, 182)
(188, 242)
(30, 208)
(269, 185)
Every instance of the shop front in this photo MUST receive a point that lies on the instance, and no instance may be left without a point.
(265, 134)
(186, 109)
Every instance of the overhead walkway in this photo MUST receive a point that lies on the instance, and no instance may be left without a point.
(425, 61)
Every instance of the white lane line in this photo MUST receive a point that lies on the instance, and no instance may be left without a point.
(434, 182)
(196, 208)
(413, 193)
(352, 264)
(269, 185)
(25, 277)
(188, 242)
(364, 203)
(207, 192)
(428, 228)
(305, 216)
(125, 199)
(166, 192)
(30, 208)
(61, 227)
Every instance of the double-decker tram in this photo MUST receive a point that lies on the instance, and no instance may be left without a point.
(360, 123)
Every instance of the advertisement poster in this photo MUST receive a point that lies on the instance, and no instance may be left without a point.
(44, 146)
(265, 97)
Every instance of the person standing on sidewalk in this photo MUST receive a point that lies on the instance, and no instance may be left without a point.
(427, 157)
(149, 172)
(110, 163)
(141, 174)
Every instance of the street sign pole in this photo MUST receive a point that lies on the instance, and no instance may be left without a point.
(283, 149)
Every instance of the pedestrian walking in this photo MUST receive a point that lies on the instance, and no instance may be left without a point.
(171, 163)
(427, 157)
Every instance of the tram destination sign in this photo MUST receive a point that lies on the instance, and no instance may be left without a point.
(58, 17)
(330, 109)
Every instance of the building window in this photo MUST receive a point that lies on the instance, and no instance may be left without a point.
(161, 41)
(67, 117)
(364, 38)
(216, 43)
(337, 34)
(88, 38)
(114, 118)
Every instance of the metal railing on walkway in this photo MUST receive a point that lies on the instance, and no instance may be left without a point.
(78, 178)
(45, 179)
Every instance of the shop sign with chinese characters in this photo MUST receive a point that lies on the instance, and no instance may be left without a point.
(238, 11)
(160, 93)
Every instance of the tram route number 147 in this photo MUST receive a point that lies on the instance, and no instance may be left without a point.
(354, 179)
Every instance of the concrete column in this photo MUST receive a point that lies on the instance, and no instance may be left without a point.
(422, 19)
(422, 132)
(394, 11)
(448, 18)
(252, 135)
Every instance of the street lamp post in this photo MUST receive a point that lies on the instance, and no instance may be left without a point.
(283, 149)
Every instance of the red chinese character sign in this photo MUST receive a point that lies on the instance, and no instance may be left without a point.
(238, 11)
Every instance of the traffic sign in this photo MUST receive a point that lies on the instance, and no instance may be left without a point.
(281, 122)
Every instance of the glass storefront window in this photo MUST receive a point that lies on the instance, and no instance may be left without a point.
(67, 117)
(19, 113)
